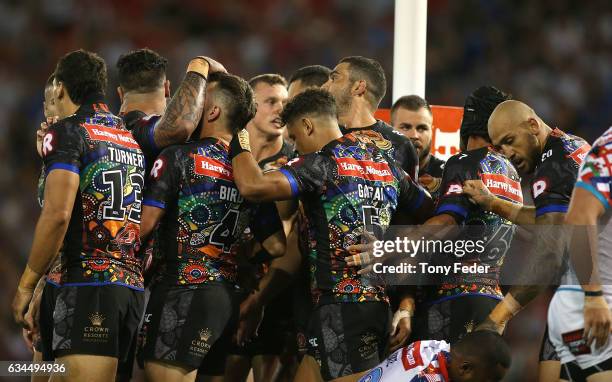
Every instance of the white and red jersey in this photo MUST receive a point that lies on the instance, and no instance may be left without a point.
(421, 361)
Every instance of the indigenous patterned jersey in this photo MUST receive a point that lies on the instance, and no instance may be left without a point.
(105, 224)
(421, 361)
(278, 160)
(502, 180)
(142, 127)
(204, 213)
(387, 139)
(555, 174)
(345, 188)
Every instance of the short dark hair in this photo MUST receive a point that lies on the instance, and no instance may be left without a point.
(410, 102)
(310, 102)
(83, 73)
(50, 80)
(269, 79)
(142, 70)
(487, 346)
(363, 68)
(311, 75)
(237, 98)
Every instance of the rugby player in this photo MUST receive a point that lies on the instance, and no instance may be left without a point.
(94, 179)
(358, 84)
(341, 182)
(193, 309)
(40, 311)
(307, 77)
(269, 355)
(411, 115)
(454, 304)
(553, 158)
(477, 357)
(583, 333)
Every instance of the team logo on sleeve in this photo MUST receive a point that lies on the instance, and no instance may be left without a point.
(538, 187)
(454, 189)
(47, 144)
(158, 168)
(579, 154)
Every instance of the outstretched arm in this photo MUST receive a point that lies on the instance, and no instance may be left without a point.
(252, 183)
(516, 213)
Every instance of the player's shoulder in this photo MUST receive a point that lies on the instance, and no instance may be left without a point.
(603, 142)
(467, 158)
(134, 118)
(389, 132)
(561, 146)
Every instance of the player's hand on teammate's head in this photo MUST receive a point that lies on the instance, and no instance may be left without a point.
(478, 193)
(597, 321)
(214, 66)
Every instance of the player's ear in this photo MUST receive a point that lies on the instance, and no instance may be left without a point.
(213, 113)
(308, 126)
(359, 88)
(533, 126)
(58, 90)
(120, 93)
(167, 88)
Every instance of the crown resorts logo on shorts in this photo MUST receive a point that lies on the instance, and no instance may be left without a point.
(96, 332)
(200, 345)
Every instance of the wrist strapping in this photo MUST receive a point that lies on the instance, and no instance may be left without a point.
(199, 66)
(240, 143)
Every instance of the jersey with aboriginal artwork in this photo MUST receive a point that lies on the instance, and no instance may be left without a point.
(103, 233)
(204, 213)
(395, 144)
(345, 188)
(502, 180)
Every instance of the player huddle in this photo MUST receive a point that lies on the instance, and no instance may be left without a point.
(246, 211)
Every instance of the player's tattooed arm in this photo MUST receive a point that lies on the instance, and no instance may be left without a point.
(183, 113)
(60, 193)
(516, 213)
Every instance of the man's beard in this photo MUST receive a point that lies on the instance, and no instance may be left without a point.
(343, 101)
(424, 152)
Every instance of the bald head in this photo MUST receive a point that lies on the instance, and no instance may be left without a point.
(517, 131)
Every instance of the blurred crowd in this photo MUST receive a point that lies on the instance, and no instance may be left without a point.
(553, 54)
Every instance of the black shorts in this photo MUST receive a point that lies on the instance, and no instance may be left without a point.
(44, 344)
(182, 324)
(97, 320)
(571, 372)
(451, 319)
(276, 334)
(348, 338)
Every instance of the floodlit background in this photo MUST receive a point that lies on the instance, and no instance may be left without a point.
(552, 54)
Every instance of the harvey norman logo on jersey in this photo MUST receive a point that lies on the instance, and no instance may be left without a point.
(364, 169)
(108, 134)
(501, 185)
(213, 168)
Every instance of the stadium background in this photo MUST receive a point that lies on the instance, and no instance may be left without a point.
(553, 54)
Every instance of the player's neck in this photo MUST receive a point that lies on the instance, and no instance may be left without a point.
(216, 130)
(358, 115)
(148, 103)
(67, 108)
(263, 145)
(476, 142)
(424, 162)
(544, 135)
